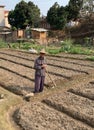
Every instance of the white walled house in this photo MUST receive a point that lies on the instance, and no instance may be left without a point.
(2, 16)
(6, 18)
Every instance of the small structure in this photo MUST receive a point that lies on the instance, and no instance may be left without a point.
(5, 33)
(39, 34)
(20, 33)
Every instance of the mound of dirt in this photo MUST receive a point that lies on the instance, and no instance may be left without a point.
(38, 116)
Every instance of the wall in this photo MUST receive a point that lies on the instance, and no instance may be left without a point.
(20, 33)
(43, 35)
(35, 34)
(2, 19)
(6, 19)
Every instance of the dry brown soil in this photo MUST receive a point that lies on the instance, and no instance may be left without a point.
(68, 106)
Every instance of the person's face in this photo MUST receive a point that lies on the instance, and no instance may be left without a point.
(42, 54)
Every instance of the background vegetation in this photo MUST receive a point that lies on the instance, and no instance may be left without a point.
(29, 14)
(24, 14)
(67, 46)
(58, 16)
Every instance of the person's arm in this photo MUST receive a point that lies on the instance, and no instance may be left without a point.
(37, 66)
(45, 64)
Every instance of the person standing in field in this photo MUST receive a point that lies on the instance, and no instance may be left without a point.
(40, 69)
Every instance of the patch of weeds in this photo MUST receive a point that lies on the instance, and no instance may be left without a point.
(53, 51)
(3, 44)
(91, 58)
(69, 47)
(79, 50)
(25, 46)
(66, 45)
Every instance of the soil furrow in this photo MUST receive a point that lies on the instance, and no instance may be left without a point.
(75, 106)
(82, 68)
(58, 60)
(45, 117)
(31, 67)
(62, 55)
(68, 106)
(52, 65)
(74, 62)
(85, 91)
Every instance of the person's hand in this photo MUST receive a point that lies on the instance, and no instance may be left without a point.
(44, 66)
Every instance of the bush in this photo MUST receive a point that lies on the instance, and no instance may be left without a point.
(66, 45)
(69, 47)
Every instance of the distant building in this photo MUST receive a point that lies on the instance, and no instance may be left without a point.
(4, 17)
(44, 23)
(6, 12)
(40, 35)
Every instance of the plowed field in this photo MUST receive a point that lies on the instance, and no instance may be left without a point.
(68, 106)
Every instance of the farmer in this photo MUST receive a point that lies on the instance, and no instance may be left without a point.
(40, 68)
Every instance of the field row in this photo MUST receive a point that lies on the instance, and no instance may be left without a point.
(17, 72)
(65, 111)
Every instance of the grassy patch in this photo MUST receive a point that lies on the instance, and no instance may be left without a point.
(53, 51)
(3, 44)
(91, 58)
(26, 46)
(5, 105)
(80, 50)
(67, 46)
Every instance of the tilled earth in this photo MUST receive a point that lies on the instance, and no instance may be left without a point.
(69, 106)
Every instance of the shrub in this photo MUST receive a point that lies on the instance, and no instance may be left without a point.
(66, 45)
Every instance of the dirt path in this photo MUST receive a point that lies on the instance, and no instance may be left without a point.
(10, 100)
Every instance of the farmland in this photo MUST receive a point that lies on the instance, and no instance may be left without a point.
(68, 106)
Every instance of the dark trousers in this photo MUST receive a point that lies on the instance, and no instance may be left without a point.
(39, 83)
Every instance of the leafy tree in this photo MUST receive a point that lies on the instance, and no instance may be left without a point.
(62, 18)
(73, 9)
(52, 15)
(11, 18)
(33, 14)
(24, 14)
(56, 16)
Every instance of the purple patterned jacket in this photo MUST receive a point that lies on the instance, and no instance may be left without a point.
(39, 71)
